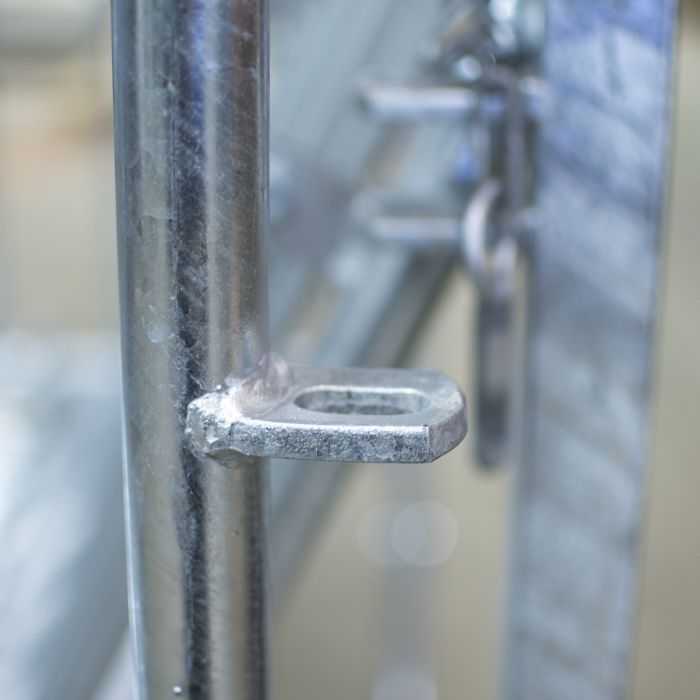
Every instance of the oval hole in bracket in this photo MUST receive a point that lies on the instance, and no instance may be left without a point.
(365, 402)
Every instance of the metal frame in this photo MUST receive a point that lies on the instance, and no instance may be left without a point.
(183, 294)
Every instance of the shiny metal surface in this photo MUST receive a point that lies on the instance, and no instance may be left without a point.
(191, 116)
(339, 414)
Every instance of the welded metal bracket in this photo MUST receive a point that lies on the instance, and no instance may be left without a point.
(357, 415)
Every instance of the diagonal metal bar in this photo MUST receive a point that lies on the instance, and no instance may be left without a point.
(594, 292)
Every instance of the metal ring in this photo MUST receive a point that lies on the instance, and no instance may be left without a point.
(488, 265)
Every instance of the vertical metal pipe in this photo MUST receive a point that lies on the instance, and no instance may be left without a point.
(191, 123)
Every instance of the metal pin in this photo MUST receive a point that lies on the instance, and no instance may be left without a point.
(418, 104)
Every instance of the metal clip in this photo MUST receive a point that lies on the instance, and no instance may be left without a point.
(488, 92)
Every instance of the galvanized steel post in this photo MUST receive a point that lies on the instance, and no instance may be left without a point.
(191, 123)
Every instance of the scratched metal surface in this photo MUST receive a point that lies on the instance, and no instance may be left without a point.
(594, 279)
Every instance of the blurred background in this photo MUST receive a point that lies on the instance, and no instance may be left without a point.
(362, 612)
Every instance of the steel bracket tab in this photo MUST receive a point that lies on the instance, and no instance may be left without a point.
(357, 415)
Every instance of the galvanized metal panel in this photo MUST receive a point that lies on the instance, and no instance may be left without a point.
(593, 301)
